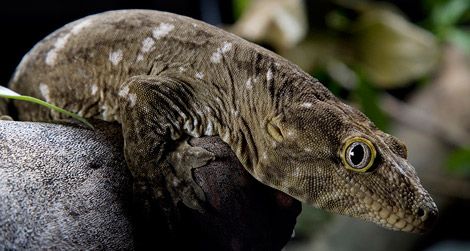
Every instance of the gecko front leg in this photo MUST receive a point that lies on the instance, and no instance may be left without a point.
(152, 113)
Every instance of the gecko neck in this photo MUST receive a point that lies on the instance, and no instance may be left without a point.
(236, 109)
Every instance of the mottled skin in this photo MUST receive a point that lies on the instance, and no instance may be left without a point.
(164, 77)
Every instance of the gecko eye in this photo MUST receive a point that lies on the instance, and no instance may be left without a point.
(358, 154)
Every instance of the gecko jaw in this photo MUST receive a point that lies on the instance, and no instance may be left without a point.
(393, 217)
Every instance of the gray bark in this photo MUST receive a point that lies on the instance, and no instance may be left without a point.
(67, 188)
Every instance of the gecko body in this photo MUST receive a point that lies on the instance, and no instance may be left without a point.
(164, 77)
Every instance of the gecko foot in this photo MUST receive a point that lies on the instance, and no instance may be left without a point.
(184, 159)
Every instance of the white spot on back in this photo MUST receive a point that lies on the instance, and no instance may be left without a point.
(94, 89)
(79, 27)
(140, 57)
(269, 75)
(162, 30)
(199, 75)
(60, 43)
(115, 57)
(217, 55)
(181, 69)
(306, 105)
(44, 89)
(226, 47)
(147, 45)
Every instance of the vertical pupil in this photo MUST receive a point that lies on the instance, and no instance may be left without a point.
(357, 154)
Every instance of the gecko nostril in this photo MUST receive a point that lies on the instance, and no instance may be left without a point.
(421, 212)
(428, 216)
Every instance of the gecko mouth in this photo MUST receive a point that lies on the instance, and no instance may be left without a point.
(419, 221)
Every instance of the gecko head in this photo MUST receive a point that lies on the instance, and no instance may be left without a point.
(328, 154)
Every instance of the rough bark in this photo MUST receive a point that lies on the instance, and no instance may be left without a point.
(68, 188)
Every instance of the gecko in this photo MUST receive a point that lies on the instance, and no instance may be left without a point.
(166, 77)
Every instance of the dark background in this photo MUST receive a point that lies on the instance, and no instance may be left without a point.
(24, 23)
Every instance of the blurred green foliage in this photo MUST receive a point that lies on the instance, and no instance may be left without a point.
(331, 84)
(449, 20)
(364, 94)
(368, 98)
(311, 219)
(459, 161)
(239, 6)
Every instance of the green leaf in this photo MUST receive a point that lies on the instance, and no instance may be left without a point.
(461, 38)
(9, 94)
(449, 12)
(459, 161)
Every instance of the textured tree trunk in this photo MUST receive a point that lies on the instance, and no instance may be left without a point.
(66, 187)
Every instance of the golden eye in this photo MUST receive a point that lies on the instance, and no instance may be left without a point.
(358, 154)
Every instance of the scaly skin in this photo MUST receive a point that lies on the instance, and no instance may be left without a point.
(164, 76)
